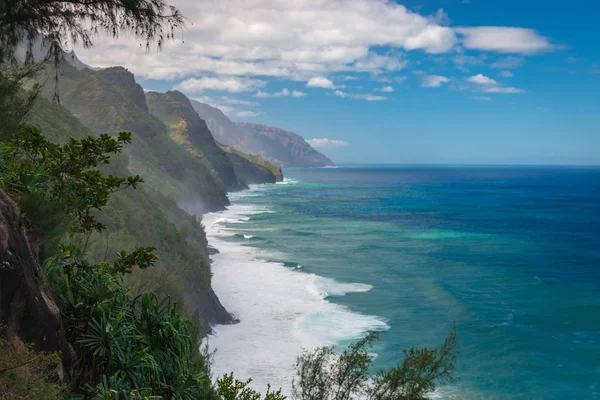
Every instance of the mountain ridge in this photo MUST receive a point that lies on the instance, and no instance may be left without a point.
(277, 146)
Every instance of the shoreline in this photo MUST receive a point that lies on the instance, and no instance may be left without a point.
(281, 309)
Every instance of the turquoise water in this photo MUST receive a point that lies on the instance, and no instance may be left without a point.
(512, 254)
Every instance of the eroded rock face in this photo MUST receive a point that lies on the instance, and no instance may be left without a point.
(28, 308)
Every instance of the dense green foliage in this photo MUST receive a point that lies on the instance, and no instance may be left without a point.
(137, 346)
(133, 346)
(56, 185)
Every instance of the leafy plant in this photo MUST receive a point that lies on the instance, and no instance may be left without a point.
(322, 375)
(59, 187)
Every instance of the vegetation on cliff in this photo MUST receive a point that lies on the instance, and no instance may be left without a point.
(255, 160)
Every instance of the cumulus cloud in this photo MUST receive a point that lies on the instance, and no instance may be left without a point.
(489, 85)
(236, 46)
(282, 93)
(277, 38)
(324, 143)
(481, 79)
(504, 40)
(367, 97)
(387, 89)
(321, 82)
(229, 84)
(432, 81)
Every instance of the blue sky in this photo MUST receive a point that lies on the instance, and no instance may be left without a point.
(453, 81)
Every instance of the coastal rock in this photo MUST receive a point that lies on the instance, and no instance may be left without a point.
(210, 311)
(28, 308)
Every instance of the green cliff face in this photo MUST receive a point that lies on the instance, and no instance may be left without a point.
(145, 217)
(110, 101)
(188, 130)
(181, 164)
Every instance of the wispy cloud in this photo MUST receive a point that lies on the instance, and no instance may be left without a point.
(433, 81)
(506, 74)
(481, 98)
(282, 93)
(488, 85)
(387, 89)
(229, 84)
(367, 97)
(510, 62)
(504, 40)
(503, 89)
(481, 79)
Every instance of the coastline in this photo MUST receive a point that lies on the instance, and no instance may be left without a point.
(281, 309)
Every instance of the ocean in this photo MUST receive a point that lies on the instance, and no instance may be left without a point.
(511, 254)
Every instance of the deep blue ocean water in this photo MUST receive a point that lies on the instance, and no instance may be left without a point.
(512, 254)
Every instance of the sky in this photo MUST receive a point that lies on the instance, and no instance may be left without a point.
(383, 81)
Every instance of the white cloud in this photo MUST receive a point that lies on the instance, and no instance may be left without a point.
(229, 84)
(387, 89)
(504, 40)
(367, 97)
(282, 93)
(321, 82)
(481, 98)
(489, 85)
(247, 113)
(324, 143)
(291, 39)
(502, 89)
(348, 78)
(506, 74)
(482, 80)
(431, 81)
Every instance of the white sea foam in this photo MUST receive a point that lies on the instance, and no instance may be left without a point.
(281, 309)
(248, 236)
(287, 181)
(325, 287)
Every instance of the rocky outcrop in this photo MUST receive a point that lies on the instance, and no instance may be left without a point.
(250, 173)
(28, 309)
(210, 311)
